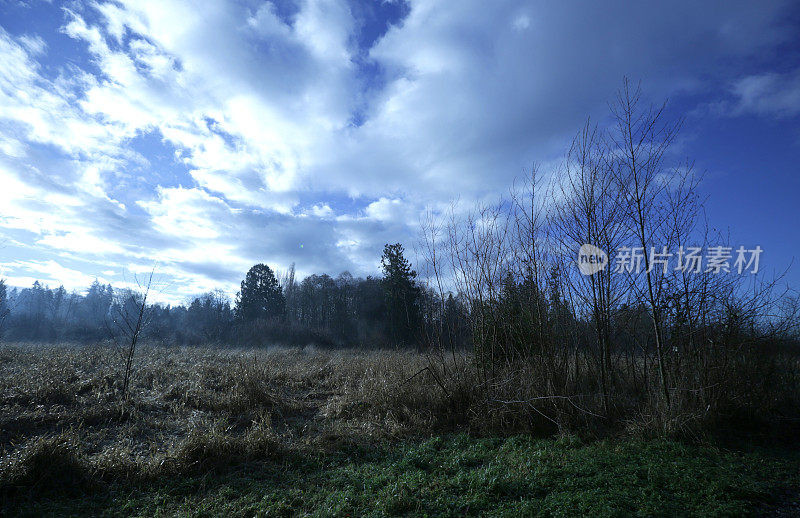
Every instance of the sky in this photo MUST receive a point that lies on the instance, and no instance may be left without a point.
(205, 137)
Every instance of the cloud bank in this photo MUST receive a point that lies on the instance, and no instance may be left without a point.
(210, 138)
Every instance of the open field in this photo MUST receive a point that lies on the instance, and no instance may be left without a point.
(399, 258)
(304, 431)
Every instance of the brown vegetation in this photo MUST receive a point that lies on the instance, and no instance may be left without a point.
(192, 410)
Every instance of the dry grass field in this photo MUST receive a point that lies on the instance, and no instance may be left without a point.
(183, 399)
(306, 431)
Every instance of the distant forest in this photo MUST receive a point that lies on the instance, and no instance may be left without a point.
(269, 309)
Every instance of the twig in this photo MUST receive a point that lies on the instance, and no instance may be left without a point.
(414, 376)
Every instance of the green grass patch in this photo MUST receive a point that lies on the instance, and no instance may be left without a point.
(460, 475)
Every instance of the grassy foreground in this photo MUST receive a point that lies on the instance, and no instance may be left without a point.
(458, 475)
(284, 432)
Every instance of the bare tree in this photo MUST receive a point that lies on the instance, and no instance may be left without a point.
(588, 213)
(641, 139)
(130, 317)
(530, 243)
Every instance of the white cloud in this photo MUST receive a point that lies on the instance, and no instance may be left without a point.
(768, 94)
(35, 45)
(271, 119)
(325, 26)
(521, 22)
(266, 23)
(386, 209)
(48, 272)
(321, 210)
(190, 213)
(82, 242)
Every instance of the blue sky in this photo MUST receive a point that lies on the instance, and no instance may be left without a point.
(211, 138)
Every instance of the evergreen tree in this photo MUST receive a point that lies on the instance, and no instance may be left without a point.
(260, 295)
(402, 295)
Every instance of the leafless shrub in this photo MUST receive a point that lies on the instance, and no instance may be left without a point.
(130, 316)
(657, 349)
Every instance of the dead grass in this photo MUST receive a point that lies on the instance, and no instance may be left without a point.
(197, 410)
(46, 463)
(190, 409)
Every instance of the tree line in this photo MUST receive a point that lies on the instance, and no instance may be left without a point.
(270, 308)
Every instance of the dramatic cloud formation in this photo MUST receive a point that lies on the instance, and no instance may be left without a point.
(211, 136)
